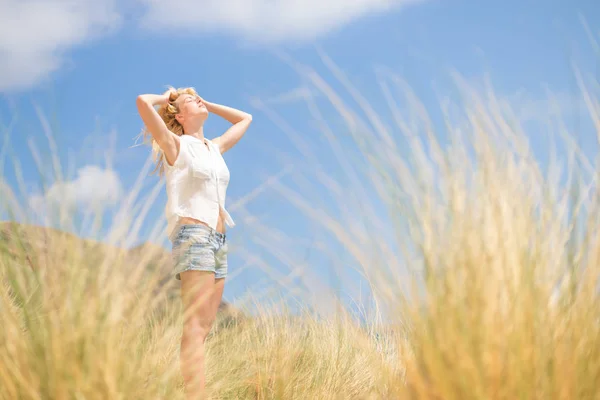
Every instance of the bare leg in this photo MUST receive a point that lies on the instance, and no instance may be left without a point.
(201, 295)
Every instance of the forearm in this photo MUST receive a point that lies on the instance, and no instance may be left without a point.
(228, 113)
(153, 99)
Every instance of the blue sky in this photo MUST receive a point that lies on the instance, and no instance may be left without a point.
(83, 66)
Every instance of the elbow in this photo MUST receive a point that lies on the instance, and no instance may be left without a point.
(140, 100)
(243, 119)
(142, 103)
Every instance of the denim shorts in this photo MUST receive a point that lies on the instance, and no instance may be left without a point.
(197, 247)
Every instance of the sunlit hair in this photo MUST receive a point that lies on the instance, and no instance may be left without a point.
(167, 113)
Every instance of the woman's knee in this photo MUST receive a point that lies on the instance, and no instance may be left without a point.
(196, 327)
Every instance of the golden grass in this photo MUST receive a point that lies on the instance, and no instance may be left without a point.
(487, 290)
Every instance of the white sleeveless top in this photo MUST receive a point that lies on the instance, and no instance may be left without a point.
(196, 184)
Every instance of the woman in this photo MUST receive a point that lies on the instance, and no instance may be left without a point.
(196, 181)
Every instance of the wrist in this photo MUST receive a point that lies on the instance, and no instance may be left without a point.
(209, 106)
(167, 98)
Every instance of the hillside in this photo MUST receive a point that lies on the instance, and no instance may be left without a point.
(42, 247)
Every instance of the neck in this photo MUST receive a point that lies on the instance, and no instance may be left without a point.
(196, 131)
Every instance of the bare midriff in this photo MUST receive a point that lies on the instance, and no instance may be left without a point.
(193, 221)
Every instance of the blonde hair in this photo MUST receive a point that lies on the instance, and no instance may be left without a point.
(167, 113)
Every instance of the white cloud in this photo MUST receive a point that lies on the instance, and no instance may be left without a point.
(35, 34)
(262, 20)
(93, 187)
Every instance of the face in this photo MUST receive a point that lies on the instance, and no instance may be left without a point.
(190, 107)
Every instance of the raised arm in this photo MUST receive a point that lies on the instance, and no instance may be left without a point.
(240, 120)
(166, 140)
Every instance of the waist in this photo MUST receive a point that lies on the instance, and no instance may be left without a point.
(197, 227)
(219, 227)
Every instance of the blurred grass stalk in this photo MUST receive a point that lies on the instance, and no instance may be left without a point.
(484, 268)
(492, 272)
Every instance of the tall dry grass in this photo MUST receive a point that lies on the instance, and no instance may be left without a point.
(483, 265)
(80, 322)
(493, 268)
